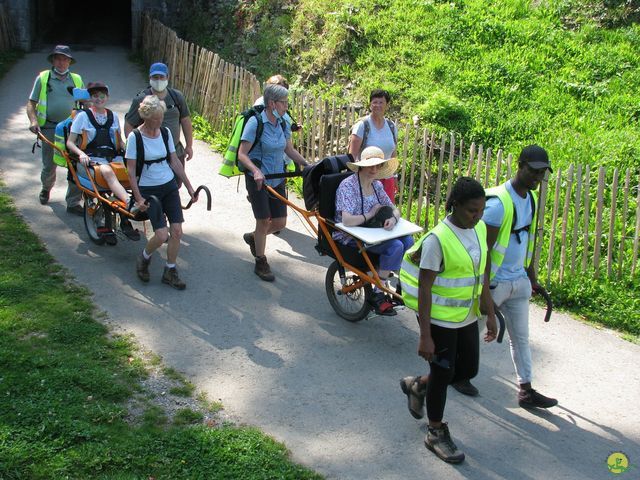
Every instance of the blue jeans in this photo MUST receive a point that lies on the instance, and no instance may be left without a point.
(391, 252)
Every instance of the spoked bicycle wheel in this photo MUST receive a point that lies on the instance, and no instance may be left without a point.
(354, 305)
(94, 218)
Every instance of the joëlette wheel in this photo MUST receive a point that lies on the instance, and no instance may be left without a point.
(352, 306)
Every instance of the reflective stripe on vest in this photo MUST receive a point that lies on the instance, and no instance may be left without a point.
(456, 289)
(504, 233)
(41, 108)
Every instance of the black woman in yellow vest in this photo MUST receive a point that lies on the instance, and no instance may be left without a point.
(445, 280)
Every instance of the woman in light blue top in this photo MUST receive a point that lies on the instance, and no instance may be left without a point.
(262, 157)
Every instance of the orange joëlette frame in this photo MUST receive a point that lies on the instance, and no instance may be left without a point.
(322, 224)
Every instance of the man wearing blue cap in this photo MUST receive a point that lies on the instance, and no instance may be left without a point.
(51, 102)
(176, 118)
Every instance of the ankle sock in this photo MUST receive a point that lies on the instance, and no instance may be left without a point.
(145, 254)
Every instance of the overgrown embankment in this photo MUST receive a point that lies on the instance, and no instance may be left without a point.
(562, 73)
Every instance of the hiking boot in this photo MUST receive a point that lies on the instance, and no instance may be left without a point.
(263, 270)
(438, 440)
(382, 305)
(416, 393)
(465, 387)
(128, 230)
(250, 239)
(142, 267)
(76, 210)
(43, 197)
(170, 277)
(532, 399)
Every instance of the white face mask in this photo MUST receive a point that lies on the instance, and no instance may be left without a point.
(159, 85)
(59, 72)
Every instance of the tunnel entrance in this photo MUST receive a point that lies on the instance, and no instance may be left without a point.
(76, 23)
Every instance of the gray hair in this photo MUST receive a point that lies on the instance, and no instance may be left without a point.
(275, 93)
(150, 105)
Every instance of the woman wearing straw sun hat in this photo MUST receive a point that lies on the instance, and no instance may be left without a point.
(359, 200)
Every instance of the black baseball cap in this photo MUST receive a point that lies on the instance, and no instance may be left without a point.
(536, 157)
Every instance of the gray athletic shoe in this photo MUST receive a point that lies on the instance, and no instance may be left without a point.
(438, 440)
(416, 394)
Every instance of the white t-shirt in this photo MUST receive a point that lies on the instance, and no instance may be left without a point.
(156, 173)
(431, 259)
(81, 124)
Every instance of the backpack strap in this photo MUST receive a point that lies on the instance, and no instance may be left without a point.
(526, 228)
(139, 152)
(173, 96)
(94, 122)
(367, 129)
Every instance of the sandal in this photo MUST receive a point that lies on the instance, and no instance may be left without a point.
(382, 305)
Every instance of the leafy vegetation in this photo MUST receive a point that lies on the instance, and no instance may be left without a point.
(562, 73)
(64, 384)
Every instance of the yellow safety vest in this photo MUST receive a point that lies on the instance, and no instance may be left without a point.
(41, 108)
(457, 288)
(504, 233)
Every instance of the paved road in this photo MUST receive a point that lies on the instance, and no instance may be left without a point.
(278, 357)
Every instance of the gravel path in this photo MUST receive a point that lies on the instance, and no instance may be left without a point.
(278, 357)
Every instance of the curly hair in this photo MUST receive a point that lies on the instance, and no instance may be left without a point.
(150, 105)
(465, 189)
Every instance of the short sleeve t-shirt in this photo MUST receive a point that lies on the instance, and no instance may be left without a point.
(381, 138)
(59, 101)
(512, 266)
(82, 124)
(269, 150)
(432, 259)
(155, 173)
(177, 109)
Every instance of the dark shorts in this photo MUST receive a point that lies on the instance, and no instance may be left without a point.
(169, 198)
(263, 204)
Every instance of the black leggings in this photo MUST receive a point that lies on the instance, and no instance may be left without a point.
(458, 349)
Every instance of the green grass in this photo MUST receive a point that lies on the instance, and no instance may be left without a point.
(64, 384)
(562, 73)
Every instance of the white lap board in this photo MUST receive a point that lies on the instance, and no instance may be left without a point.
(372, 236)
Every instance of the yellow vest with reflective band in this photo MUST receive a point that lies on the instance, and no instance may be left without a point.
(504, 233)
(457, 288)
(229, 167)
(41, 108)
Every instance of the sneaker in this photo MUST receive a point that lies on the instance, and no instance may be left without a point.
(532, 399)
(128, 230)
(76, 210)
(43, 197)
(170, 277)
(416, 393)
(438, 440)
(465, 387)
(263, 270)
(382, 305)
(250, 240)
(142, 267)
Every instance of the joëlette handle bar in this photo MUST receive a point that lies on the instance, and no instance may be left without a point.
(540, 290)
(501, 327)
(206, 191)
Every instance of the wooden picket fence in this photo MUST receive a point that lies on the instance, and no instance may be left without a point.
(7, 39)
(586, 214)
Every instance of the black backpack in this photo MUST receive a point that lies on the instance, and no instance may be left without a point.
(140, 161)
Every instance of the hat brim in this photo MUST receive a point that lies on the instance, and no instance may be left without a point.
(387, 166)
(98, 89)
(156, 72)
(50, 57)
(539, 165)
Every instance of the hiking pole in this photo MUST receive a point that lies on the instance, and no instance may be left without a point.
(540, 290)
